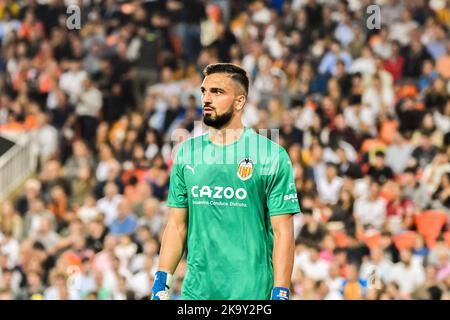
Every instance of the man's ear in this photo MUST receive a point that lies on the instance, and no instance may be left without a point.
(240, 102)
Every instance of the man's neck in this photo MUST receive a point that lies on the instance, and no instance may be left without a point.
(226, 135)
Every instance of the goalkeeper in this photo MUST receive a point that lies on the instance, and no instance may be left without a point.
(232, 197)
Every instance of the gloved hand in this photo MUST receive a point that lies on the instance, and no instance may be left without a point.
(280, 293)
(161, 286)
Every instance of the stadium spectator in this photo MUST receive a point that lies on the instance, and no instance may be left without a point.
(407, 273)
(353, 287)
(125, 222)
(371, 212)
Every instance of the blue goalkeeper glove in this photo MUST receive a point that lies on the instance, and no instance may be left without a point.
(161, 286)
(280, 293)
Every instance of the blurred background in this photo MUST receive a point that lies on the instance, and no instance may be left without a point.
(89, 118)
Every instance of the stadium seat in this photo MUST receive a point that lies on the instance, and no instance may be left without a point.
(405, 240)
(406, 90)
(429, 224)
(371, 238)
(372, 145)
(340, 238)
(72, 259)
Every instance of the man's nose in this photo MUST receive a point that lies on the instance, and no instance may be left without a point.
(206, 98)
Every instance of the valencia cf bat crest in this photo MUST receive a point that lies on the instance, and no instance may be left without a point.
(245, 169)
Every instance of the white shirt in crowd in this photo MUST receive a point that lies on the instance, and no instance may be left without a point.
(140, 284)
(90, 103)
(316, 270)
(71, 83)
(87, 214)
(408, 277)
(52, 293)
(363, 65)
(46, 139)
(109, 208)
(371, 212)
(334, 286)
(111, 282)
(376, 98)
(83, 284)
(103, 169)
(137, 263)
(11, 249)
(400, 31)
(329, 190)
(398, 155)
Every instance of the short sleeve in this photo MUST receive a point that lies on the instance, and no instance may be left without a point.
(280, 187)
(177, 187)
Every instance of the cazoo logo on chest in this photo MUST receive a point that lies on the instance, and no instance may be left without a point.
(218, 192)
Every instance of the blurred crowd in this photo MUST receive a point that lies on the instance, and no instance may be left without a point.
(363, 112)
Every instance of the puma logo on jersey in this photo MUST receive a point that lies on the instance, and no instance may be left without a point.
(190, 168)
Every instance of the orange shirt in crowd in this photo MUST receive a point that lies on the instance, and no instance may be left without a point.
(443, 66)
(387, 130)
(353, 291)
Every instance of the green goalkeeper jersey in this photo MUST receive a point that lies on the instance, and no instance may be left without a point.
(231, 191)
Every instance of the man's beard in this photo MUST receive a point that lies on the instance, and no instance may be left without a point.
(219, 121)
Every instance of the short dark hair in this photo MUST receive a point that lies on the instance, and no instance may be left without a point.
(411, 170)
(380, 153)
(330, 164)
(426, 133)
(237, 73)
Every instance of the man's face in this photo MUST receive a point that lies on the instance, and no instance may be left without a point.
(425, 142)
(86, 266)
(341, 154)
(219, 93)
(34, 280)
(335, 48)
(122, 210)
(331, 172)
(314, 255)
(151, 208)
(334, 270)
(379, 161)
(376, 254)
(37, 205)
(352, 273)
(374, 189)
(44, 226)
(405, 256)
(409, 178)
(442, 158)
(86, 84)
(110, 190)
